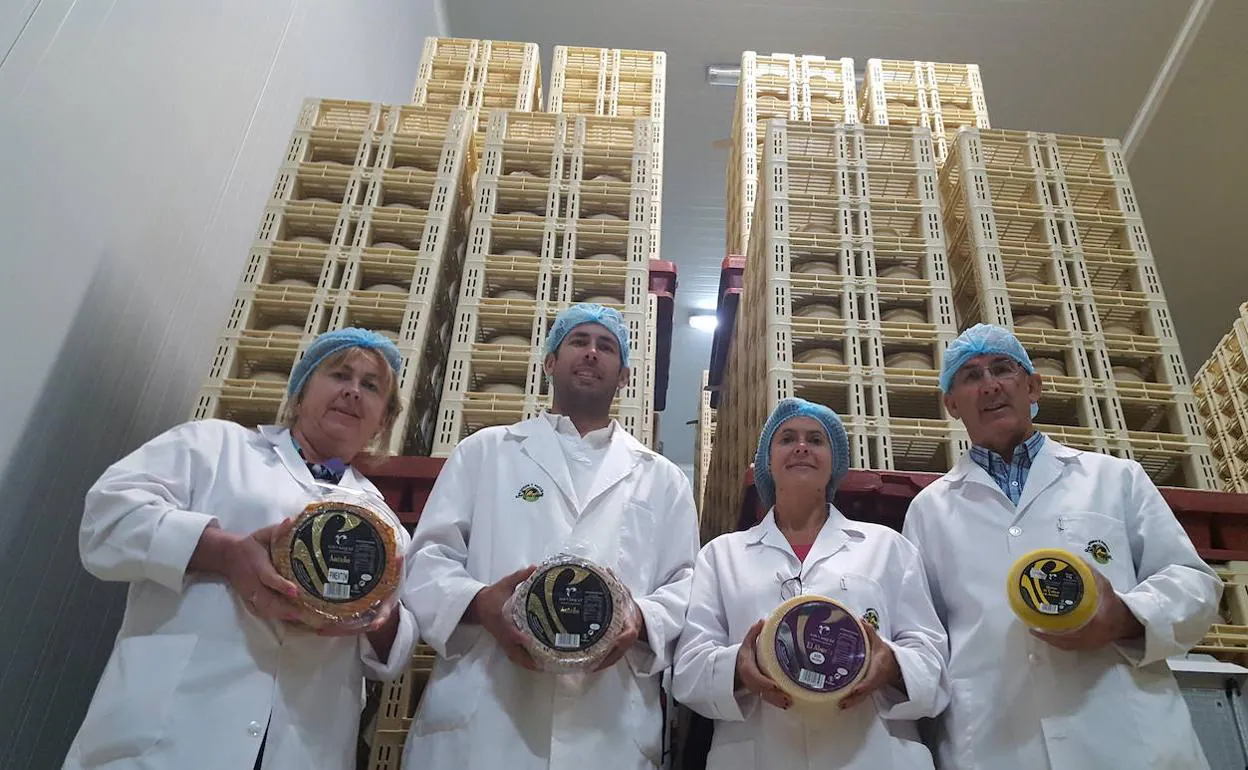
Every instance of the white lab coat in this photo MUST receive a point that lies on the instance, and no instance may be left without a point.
(737, 581)
(194, 678)
(1019, 702)
(481, 712)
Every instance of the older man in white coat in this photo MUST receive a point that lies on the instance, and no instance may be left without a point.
(1098, 697)
(508, 497)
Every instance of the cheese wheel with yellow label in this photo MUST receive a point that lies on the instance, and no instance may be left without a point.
(570, 611)
(814, 649)
(1052, 590)
(344, 557)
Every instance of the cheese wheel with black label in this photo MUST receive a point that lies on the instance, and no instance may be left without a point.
(814, 649)
(570, 611)
(1052, 590)
(344, 557)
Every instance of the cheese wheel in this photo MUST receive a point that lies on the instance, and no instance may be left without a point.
(388, 288)
(904, 315)
(900, 271)
(508, 339)
(269, 377)
(519, 172)
(399, 205)
(606, 217)
(389, 245)
(1049, 367)
(514, 294)
(605, 299)
(502, 387)
(1052, 590)
(286, 328)
(814, 649)
(393, 336)
(1127, 374)
(533, 214)
(1034, 322)
(315, 200)
(1025, 276)
(1121, 328)
(519, 253)
(815, 229)
(407, 168)
(817, 268)
(570, 611)
(605, 257)
(343, 556)
(821, 356)
(909, 360)
(607, 178)
(818, 310)
(308, 239)
(295, 282)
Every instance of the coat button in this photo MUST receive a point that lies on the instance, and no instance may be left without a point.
(1016, 531)
(253, 729)
(1031, 657)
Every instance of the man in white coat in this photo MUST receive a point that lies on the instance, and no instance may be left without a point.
(1098, 697)
(508, 497)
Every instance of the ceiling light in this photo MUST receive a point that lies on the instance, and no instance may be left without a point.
(704, 322)
(723, 74)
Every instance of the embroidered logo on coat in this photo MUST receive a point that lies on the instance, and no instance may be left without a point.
(1099, 551)
(872, 617)
(530, 493)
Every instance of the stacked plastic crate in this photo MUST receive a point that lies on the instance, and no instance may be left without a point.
(481, 76)
(790, 86)
(1046, 238)
(939, 96)
(562, 214)
(847, 300)
(362, 229)
(396, 708)
(1221, 388)
(703, 440)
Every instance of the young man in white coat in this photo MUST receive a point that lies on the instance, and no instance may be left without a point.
(509, 497)
(1098, 697)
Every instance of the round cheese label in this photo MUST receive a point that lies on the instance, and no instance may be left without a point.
(568, 608)
(336, 555)
(820, 646)
(1050, 586)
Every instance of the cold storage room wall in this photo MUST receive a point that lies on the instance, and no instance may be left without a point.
(138, 142)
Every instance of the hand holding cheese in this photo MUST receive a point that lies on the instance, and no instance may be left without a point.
(882, 669)
(488, 609)
(751, 677)
(1111, 623)
(244, 562)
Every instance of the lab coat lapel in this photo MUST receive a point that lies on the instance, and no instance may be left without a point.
(967, 471)
(616, 465)
(282, 443)
(539, 442)
(831, 539)
(1046, 469)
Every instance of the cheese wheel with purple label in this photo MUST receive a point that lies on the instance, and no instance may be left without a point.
(814, 649)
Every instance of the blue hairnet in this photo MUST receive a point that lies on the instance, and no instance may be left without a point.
(589, 313)
(786, 410)
(982, 340)
(333, 342)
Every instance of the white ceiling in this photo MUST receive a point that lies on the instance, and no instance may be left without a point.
(1055, 65)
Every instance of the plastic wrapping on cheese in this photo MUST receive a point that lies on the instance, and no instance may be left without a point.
(1052, 590)
(343, 554)
(570, 611)
(814, 649)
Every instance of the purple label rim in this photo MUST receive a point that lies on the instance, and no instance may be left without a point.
(820, 646)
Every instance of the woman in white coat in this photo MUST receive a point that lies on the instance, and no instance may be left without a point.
(205, 672)
(805, 545)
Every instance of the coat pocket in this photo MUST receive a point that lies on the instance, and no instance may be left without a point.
(133, 702)
(454, 692)
(639, 542)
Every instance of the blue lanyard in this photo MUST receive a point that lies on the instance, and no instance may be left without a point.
(330, 471)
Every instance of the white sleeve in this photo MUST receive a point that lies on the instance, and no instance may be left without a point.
(665, 607)
(439, 587)
(706, 659)
(919, 643)
(1177, 597)
(404, 640)
(138, 522)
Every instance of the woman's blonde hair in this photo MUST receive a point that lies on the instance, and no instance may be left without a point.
(378, 450)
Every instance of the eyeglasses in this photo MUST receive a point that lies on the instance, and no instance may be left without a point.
(1002, 370)
(790, 588)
